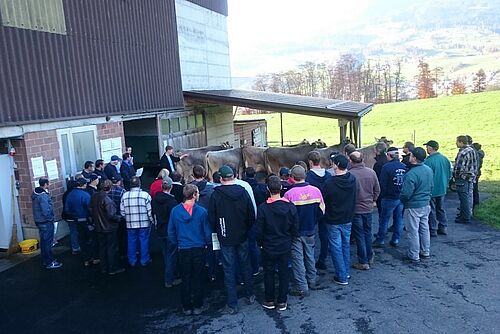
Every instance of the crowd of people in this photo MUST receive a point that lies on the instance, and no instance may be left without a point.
(261, 221)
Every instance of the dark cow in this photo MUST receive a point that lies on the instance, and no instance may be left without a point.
(232, 156)
(254, 157)
(197, 156)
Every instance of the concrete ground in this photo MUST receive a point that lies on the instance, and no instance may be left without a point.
(456, 290)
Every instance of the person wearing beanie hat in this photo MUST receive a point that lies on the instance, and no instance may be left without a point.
(340, 199)
(77, 204)
(415, 196)
(286, 180)
(441, 168)
(310, 208)
(92, 183)
(391, 181)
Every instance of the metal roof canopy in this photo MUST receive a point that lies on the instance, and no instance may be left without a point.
(347, 112)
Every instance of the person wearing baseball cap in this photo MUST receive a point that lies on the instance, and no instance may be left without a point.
(112, 170)
(231, 215)
(391, 181)
(340, 200)
(415, 196)
(441, 168)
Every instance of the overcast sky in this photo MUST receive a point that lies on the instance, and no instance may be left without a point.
(260, 31)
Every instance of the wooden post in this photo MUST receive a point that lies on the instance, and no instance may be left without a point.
(281, 123)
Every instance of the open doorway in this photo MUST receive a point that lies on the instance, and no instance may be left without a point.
(142, 136)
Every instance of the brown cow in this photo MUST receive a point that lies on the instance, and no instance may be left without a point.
(254, 157)
(197, 156)
(215, 160)
(276, 157)
(369, 151)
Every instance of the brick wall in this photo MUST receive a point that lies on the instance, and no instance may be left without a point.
(36, 144)
(111, 130)
(45, 144)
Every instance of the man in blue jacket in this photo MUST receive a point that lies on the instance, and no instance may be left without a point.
(43, 214)
(415, 195)
(391, 181)
(77, 204)
(188, 228)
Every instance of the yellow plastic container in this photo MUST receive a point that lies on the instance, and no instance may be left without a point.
(28, 246)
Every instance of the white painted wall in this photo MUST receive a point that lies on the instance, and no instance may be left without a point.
(203, 47)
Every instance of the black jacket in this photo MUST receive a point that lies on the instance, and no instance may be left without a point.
(259, 190)
(165, 164)
(111, 172)
(231, 214)
(177, 192)
(104, 213)
(340, 199)
(163, 204)
(277, 224)
(380, 161)
(127, 172)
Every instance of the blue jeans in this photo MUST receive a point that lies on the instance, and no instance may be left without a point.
(339, 237)
(212, 259)
(253, 250)
(231, 254)
(304, 271)
(141, 236)
(394, 208)
(170, 259)
(46, 231)
(73, 236)
(464, 191)
(437, 217)
(362, 229)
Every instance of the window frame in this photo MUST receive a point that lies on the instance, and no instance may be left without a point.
(72, 157)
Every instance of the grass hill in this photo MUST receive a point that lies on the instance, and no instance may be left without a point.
(441, 119)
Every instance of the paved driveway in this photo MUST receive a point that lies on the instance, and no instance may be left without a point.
(456, 290)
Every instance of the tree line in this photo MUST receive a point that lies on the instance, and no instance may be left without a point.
(364, 80)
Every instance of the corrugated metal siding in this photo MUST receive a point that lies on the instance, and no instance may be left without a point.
(219, 6)
(117, 57)
(35, 15)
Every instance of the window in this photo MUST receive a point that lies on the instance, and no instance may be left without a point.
(192, 122)
(164, 126)
(77, 145)
(174, 125)
(46, 15)
(183, 123)
(199, 120)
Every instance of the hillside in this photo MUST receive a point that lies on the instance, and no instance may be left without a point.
(441, 119)
(460, 36)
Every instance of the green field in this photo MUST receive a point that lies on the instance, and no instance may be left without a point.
(441, 119)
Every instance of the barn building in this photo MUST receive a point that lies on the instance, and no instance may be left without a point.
(80, 80)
